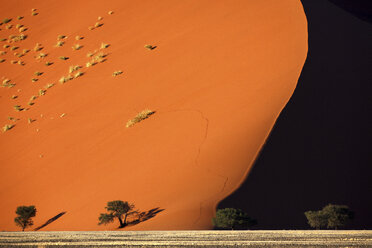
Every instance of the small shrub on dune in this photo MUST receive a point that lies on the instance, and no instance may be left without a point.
(22, 29)
(90, 28)
(13, 62)
(38, 73)
(19, 17)
(111, 12)
(34, 80)
(140, 117)
(77, 47)
(48, 63)
(61, 37)
(2, 52)
(6, 46)
(18, 26)
(6, 20)
(90, 54)
(25, 51)
(98, 24)
(49, 86)
(116, 73)
(33, 98)
(29, 120)
(104, 45)
(60, 43)
(64, 79)
(2, 60)
(21, 62)
(90, 64)
(78, 74)
(9, 26)
(63, 58)
(30, 103)
(74, 68)
(37, 47)
(34, 13)
(3, 39)
(42, 92)
(14, 48)
(7, 127)
(77, 37)
(100, 18)
(17, 108)
(150, 47)
(14, 97)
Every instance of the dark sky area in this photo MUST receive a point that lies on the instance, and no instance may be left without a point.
(319, 151)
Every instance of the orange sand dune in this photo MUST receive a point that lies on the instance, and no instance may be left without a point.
(218, 78)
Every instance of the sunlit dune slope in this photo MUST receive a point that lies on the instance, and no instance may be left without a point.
(217, 79)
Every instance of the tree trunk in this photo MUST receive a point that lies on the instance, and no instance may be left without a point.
(121, 222)
(125, 219)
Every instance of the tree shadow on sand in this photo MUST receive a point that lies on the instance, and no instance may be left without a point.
(50, 221)
(137, 216)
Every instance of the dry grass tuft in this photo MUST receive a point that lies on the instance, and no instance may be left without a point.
(59, 44)
(17, 108)
(111, 12)
(74, 68)
(2, 60)
(38, 73)
(7, 127)
(34, 80)
(77, 47)
(144, 114)
(37, 47)
(98, 24)
(104, 45)
(77, 37)
(63, 58)
(61, 37)
(49, 86)
(48, 63)
(42, 92)
(78, 74)
(150, 47)
(19, 17)
(116, 73)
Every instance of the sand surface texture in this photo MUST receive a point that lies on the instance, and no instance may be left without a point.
(189, 239)
(217, 78)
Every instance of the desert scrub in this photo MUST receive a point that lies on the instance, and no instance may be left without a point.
(33, 98)
(90, 28)
(98, 24)
(2, 60)
(6, 20)
(22, 29)
(18, 26)
(61, 37)
(74, 68)
(111, 12)
(21, 62)
(42, 92)
(77, 37)
(78, 74)
(34, 80)
(19, 17)
(49, 86)
(29, 120)
(90, 54)
(90, 64)
(34, 13)
(37, 47)
(144, 114)
(150, 47)
(48, 63)
(14, 48)
(60, 43)
(116, 73)
(9, 26)
(77, 47)
(64, 79)
(30, 103)
(14, 96)
(104, 45)
(7, 127)
(38, 73)
(6, 46)
(2, 52)
(100, 18)
(41, 55)
(13, 62)
(17, 108)
(63, 58)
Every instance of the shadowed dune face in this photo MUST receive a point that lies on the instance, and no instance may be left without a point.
(218, 78)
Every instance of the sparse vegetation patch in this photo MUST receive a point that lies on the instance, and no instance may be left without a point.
(144, 114)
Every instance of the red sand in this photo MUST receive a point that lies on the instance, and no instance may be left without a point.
(218, 79)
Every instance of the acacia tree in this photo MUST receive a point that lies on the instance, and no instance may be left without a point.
(25, 213)
(116, 209)
(231, 218)
(331, 216)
